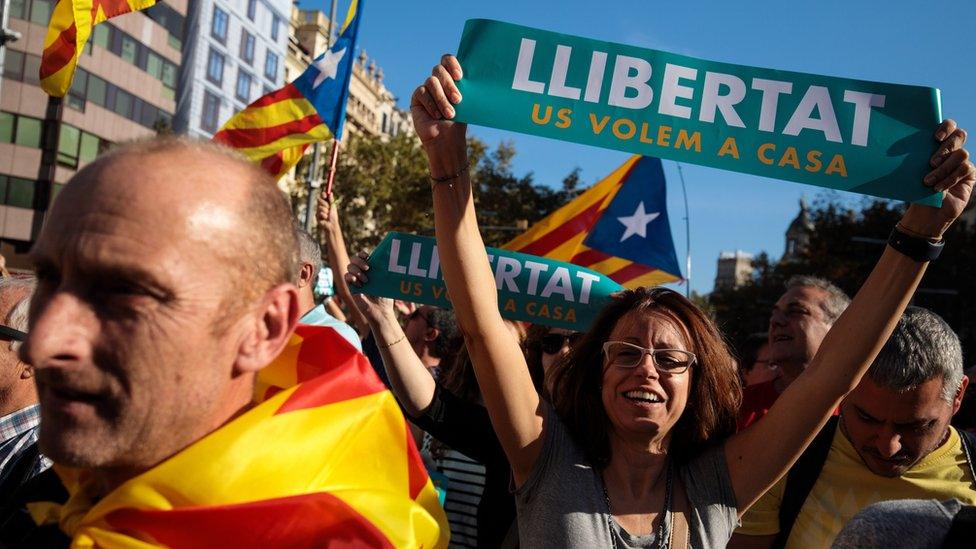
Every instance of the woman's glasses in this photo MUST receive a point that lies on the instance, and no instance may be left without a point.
(628, 355)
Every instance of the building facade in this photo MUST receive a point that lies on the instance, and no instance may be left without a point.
(235, 52)
(125, 87)
(734, 270)
(798, 233)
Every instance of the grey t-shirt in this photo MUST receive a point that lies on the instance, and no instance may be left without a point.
(916, 523)
(562, 504)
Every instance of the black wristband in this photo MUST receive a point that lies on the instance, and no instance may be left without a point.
(916, 248)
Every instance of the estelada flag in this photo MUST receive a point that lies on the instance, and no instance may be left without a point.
(67, 33)
(618, 227)
(329, 461)
(275, 130)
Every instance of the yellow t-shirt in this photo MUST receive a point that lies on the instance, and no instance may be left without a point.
(846, 486)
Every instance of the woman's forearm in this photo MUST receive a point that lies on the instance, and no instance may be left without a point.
(410, 381)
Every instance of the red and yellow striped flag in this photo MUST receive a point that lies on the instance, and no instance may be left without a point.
(596, 229)
(67, 33)
(329, 462)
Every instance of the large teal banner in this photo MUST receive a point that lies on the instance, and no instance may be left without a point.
(531, 288)
(853, 135)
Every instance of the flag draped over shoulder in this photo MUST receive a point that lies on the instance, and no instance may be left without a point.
(618, 227)
(275, 130)
(67, 33)
(327, 460)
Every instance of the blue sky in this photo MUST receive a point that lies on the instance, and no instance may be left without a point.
(920, 43)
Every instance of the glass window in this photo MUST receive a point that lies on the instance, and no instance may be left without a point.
(211, 112)
(274, 28)
(115, 41)
(32, 69)
(6, 127)
(100, 35)
(271, 66)
(169, 93)
(110, 93)
(41, 11)
(147, 117)
(79, 84)
(218, 26)
(247, 47)
(215, 67)
(129, 46)
(28, 132)
(13, 65)
(142, 56)
(154, 65)
(3, 187)
(123, 104)
(267, 90)
(96, 90)
(56, 190)
(89, 148)
(20, 192)
(169, 75)
(252, 9)
(243, 86)
(68, 143)
(18, 9)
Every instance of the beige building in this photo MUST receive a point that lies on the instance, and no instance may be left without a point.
(734, 269)
(124, 88)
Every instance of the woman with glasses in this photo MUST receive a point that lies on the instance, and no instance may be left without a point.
(638, 447)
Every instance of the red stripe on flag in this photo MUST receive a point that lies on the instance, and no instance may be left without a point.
(630, 272)
(245, 138)
(416, 471)
(273, 163)
(329, 370)
(579, 223)
(589, 257)
(308, 520)
(60, 53)
(289, 91)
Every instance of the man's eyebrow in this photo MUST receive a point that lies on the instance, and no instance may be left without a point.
(862, 412)
(916, 423)
(104, 273)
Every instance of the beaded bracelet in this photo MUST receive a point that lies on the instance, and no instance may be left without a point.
(446, 178)
(388, 345)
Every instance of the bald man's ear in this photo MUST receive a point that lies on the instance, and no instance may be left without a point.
(306, 275)
(271, 329)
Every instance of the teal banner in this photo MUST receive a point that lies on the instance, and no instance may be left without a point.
(530, 288)
(852, 135)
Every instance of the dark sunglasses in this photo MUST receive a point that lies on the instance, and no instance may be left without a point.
(6, 332)
(552, 343)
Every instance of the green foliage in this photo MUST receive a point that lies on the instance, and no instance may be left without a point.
(844, 247)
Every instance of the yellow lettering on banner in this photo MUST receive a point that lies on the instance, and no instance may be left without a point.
(510, 305)
(631, 128)
(535, 114)
(405, 287)
(789, 157)
(688, 141)
(544, 311)
(643, 135)
(570, 315)
(664, 136)
(813, 161)
(761, 153)
(530, 308)
(418, 289)
(564, 119)
(438, 291)
(598, 126)
(729, 147)
(557, 312)
(837, 165)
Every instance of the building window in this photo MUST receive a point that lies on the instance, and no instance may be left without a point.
(274, 28)
(28, 132)
(77, 92)
(96, 90)
(271, 66)
(211, 112)
(13, 66)
(129, 49)
(20, 192)
(41, 11)
(6, 127)
(215, 67)
(252, 9)
(18, 9)
(169, 19)
(218, 27)
(68, 141)
(243, 86)
(247, 47)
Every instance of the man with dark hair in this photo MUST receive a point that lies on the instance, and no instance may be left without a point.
(797, 325)
(433, 333)
(892, 441)
(309, 265)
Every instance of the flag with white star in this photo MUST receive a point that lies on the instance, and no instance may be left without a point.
(618, 227)
(275, 130)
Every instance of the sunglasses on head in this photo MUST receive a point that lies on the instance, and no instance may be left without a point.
(553, 343)
(12, 334)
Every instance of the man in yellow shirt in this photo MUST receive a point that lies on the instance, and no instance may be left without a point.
(892, 441)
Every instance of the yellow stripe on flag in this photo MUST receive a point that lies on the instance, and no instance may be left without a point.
(276, 113)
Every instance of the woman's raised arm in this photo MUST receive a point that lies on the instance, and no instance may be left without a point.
(855, 339)
(500, 367)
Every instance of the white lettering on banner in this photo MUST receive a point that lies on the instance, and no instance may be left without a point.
(508, 268)
(534, 268)
(671, 89)
(394, 266)
(588, 280)
(559, 284)
(630, 88)
(435, 264)
(414, 268)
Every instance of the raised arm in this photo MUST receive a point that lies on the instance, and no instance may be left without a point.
(854, 340)
(410, 381)
(328, 217)
(500, 367)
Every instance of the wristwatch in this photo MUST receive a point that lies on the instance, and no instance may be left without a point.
(916, 248)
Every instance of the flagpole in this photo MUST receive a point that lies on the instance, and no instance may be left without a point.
(684, 191)
(335, 138)
(313, 181)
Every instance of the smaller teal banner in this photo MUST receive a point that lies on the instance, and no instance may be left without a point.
(852, 135)
(530, 288)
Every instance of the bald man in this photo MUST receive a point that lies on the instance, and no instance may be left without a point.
(165, 277)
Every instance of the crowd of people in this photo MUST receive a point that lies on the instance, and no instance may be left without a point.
(158, 299)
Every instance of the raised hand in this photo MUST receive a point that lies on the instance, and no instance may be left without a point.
(373, 307)
(954, 173)
(432, 108)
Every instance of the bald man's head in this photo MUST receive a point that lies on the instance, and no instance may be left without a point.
(165, 272)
